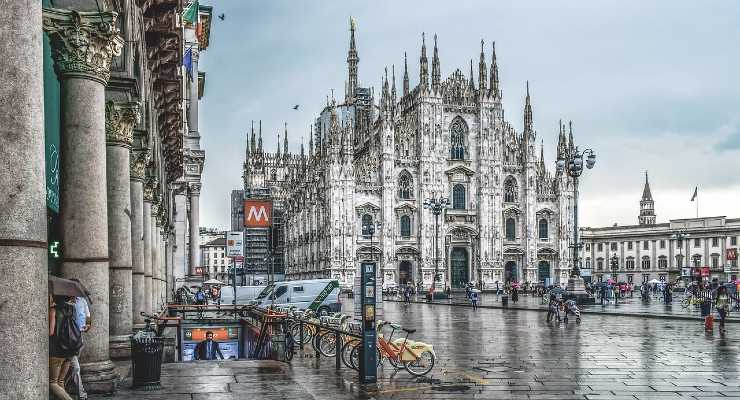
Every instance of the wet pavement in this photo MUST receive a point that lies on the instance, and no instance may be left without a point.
(495, 353)
(628, 306)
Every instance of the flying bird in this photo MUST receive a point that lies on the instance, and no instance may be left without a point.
(295, 107)
(222, 17)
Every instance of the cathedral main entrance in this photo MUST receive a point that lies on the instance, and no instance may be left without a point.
(459, 267)
(510, 272)
(404, 272)
(543, 271)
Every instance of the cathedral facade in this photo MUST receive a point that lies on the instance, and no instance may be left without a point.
(375, 162)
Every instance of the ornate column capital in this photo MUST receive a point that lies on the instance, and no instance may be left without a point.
(150, 189)
(120, 119)
(138, 162)
(82, 43)
(195, 189)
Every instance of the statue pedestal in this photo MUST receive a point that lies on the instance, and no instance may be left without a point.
(577, 291)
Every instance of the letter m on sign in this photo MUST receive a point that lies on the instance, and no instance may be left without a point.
(257, 213)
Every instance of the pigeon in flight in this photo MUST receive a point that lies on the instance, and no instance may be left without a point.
(295, 107)
(222, 17)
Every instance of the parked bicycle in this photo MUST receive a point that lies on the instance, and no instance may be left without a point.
(417, 358)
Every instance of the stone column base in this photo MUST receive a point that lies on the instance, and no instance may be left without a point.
(120, 347)
(99, 377)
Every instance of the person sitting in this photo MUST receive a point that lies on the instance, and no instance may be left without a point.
(208, 349)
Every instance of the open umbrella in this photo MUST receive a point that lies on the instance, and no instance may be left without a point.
(610, 281)
(213, 282)
(66, 287)
(654, 281)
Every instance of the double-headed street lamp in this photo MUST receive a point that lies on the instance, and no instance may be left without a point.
(572, 164)
(369, 230)
(436, 205)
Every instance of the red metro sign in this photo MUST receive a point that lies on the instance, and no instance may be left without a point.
(257, 213)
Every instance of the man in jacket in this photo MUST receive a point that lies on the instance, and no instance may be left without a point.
(208, 349)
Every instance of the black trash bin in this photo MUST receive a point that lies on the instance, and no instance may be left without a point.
(146, 359)
(504, 301)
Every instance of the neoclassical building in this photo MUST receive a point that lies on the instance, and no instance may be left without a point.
(374, 158)
(663, 251)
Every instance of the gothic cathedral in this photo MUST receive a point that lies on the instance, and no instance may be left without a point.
(358, 193)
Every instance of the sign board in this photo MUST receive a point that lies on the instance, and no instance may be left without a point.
(586, 272)
(257, 213)
(685, 271)
(199, 270)
(731, 254)
(235, 244)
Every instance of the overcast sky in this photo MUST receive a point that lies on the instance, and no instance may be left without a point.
(649, 85)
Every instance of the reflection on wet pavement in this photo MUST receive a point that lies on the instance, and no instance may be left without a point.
(494, 353)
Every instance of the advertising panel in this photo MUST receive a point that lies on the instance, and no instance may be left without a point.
(235, 244)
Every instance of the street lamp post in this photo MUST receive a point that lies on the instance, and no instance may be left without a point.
(679, 237)
(436, 205)
(615, 268)
(572, 164)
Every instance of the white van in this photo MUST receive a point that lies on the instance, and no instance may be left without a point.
(320, 295)
(244, 294)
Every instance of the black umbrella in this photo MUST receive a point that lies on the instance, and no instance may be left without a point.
(66, 287)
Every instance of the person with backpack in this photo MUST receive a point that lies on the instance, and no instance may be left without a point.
(82, 316)
(65, 342)
(200, 297)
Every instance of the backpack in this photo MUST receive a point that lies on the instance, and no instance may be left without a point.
(200, 296)
(69, 336)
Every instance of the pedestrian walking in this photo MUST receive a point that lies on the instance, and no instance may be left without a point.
(65, 341)
(448, 292)
(474, 299)
(84, 321)
(498, 288)
(722, 305)
(514, 294)
(602, 293)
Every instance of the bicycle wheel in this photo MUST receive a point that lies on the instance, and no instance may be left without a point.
(355, 356)
(328, 344)
(422, 365)
(347, 352)
(289, 347)
(295, 329)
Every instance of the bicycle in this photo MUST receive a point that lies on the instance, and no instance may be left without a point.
(691, 301)
(417, 358)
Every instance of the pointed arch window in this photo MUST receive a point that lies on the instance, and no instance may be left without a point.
(510, 229)
(405, 226)
(543, 229)
(458, 197)
(458, 135)
(405, 186)
(510, 190)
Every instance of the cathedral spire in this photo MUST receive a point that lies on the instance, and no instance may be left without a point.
(303, 153)
(472, 82)
(528, 113)
(435, 66)
(285, 140)
(561, 141)
(423, 64)
(482, 70)
(277, 153)
(393, 87)
(647, 206)
(352, 61)
(542, 155)
(405, 75)
(494, 73)
(571, 145)
(252, 142)
(310, 140)
(259, 142)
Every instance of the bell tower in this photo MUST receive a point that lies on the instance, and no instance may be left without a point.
(647, 206)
